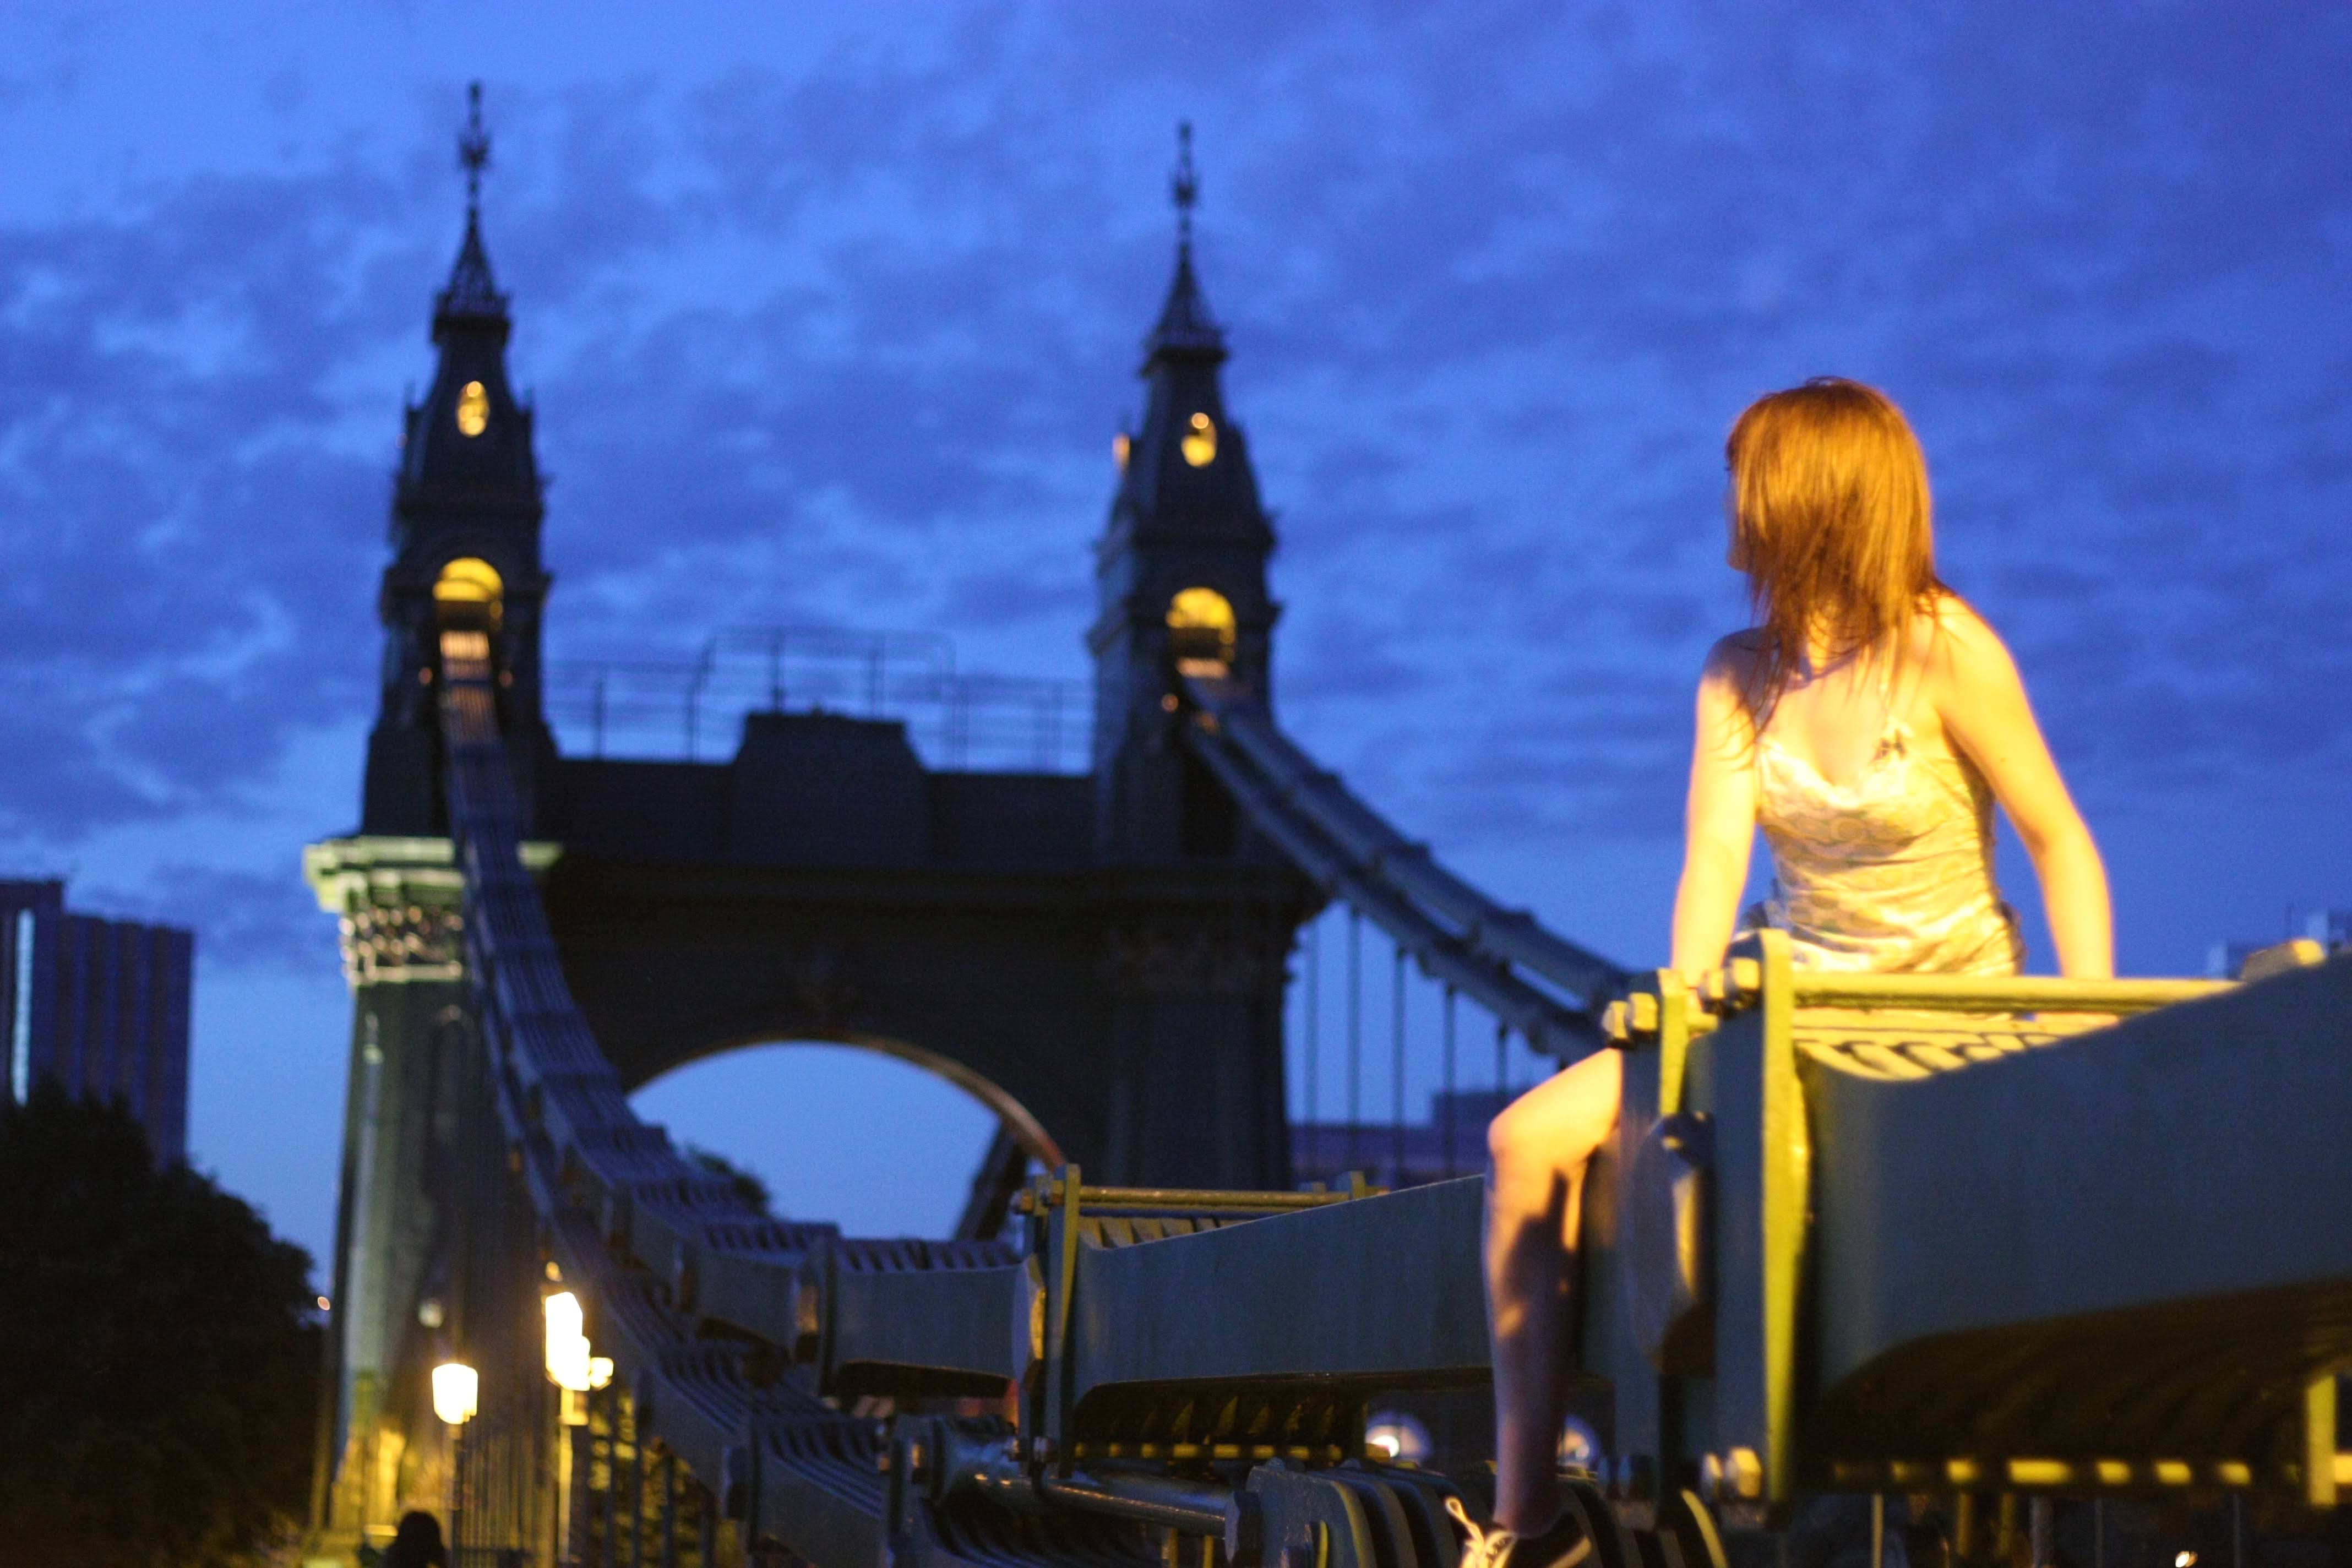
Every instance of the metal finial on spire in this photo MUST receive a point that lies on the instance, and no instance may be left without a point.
(1183, 184)
(473, 148)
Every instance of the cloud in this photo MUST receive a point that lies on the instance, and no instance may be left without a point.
(843, 344)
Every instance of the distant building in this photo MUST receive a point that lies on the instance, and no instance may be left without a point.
(2331, 929)
(99, 1006)
(1452, 1142)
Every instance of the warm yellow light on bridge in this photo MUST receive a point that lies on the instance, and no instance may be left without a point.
(600, 1371)
(469, 591)
(456, 1391)
(1122, 447)
(1201, 631)
(568, 1360)
(468, 580)
(473, 409)
(1199, 441)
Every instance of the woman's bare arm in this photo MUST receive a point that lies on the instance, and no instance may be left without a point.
(1719, 819)
(1981, 701)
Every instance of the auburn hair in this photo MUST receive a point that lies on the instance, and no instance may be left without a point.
(1831, 521)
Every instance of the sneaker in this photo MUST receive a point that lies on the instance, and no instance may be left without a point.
(1561, 1545)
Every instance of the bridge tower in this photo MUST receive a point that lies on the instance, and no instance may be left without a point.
(1180, 574)
(465, 535)
(466, 516)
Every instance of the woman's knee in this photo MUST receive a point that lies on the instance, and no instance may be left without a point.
(1560, 1122)
(1513, 1138)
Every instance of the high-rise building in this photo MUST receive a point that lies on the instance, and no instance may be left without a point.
(99, 1006)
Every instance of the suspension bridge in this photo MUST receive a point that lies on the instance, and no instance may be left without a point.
(1151, 1340)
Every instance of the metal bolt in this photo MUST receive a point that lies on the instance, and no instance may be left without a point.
(1743, 1474)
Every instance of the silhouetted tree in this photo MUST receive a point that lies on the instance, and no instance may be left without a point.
(158, 1353)
(745, 1180)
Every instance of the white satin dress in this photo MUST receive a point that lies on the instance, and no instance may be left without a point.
(1891, 872)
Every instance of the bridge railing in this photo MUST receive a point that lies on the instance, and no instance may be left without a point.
(693, 708)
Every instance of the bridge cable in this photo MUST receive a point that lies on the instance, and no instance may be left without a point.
(1450, 1109)
(1314, 1045)
(1354, 1032)
(1538, 984)
(1396, 1087)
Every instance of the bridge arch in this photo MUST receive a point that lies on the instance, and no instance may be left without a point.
(1020, 1123)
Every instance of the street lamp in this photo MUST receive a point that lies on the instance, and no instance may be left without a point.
(572, 1368)
(567, 1343)
(456, 1391)
(456, 1395)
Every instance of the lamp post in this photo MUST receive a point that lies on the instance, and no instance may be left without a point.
(568, 1367)
(457, 1394)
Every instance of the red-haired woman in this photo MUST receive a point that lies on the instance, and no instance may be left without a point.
(1867, 723)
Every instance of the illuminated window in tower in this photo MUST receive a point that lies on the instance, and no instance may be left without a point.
(473, 409)
(470, 592)
(1201, 441)
(1200, 632)
(1121, 446)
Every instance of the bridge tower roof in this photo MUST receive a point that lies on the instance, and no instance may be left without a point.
(1186, 470)
(1186, 328)
(467, 453)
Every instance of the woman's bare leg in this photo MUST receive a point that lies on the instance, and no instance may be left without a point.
(1536, 1152)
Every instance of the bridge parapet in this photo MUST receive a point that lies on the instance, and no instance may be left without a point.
(1916, 1231)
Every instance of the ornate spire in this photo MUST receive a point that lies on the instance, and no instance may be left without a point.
(1185, 327)
(472, 292)
(1184, 185)
(473, 149)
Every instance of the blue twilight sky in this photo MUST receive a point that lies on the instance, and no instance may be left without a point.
(831, 313)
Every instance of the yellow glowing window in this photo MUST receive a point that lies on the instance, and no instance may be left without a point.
(1201, 441)
(1201, 631)
(1121, 446)
(469, 588)
(473, 409)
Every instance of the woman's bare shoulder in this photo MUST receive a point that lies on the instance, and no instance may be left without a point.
(1960, 641)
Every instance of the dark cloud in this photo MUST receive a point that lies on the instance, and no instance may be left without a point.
(845, 344)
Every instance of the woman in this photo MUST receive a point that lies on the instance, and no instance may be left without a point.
(1866, 723)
